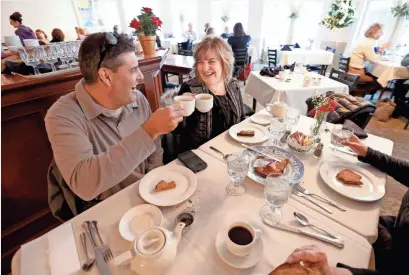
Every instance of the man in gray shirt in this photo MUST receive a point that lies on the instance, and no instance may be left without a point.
(103, 135)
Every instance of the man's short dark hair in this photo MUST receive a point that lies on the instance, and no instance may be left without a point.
(90, 51)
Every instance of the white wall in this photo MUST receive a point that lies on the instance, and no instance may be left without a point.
(40, 14)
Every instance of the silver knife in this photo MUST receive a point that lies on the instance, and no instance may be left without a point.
(261, 153)
(338, 242)
(103, 267)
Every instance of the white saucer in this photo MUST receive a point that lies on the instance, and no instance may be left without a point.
(262, 119)
(235, 261)
(138, 219)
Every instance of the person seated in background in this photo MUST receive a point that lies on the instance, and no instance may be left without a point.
(190, 34)
(206, 26)
(226, 33)
(81, 33)
(402, 86)
(239, 40)
(42, 37)
(364, 51)
(213, 69)
(210, 31)
(103, 135)
(57, 36)
(393, 232)
(24, 32)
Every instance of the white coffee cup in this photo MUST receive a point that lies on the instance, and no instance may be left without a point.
(188, 103)
(234, 247)
(204, 102)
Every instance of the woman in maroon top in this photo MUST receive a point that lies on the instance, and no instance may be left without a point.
(22, 31)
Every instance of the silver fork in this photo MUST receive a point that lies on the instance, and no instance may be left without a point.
(106, 250)
(299, 194)
(298, 187)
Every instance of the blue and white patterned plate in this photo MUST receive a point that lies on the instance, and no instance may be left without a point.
(294, 170)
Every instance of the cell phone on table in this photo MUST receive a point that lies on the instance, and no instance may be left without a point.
(192, 161)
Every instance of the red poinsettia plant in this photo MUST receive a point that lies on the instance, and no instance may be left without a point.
(146, 23)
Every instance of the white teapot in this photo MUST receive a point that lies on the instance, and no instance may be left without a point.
(153, 251)
(277, 109)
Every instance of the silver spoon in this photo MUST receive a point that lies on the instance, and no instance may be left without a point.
(89, 263)
(220, 152)
(304, 221)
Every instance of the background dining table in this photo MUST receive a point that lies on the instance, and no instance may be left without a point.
(305, 56)
(386, 71)
(214, 210)
(266, 89)
(366, 213)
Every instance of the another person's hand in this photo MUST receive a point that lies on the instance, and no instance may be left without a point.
(164, 120)
(357, 146)
(312, 258)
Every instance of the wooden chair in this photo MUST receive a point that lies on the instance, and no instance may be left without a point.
(185, 49)
(348, 79)
(272, 57)
(322, 69)
(343, 63)
(240, 61)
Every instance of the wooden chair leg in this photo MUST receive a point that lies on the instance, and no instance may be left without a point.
(254, 104)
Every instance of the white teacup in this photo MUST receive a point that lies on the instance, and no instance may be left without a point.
(188, 103)
(241, 237)
(204, 102)
(277, 109)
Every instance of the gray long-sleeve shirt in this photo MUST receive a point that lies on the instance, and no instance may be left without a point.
(99, 155)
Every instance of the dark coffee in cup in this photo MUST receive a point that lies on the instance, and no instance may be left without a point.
(240, 235)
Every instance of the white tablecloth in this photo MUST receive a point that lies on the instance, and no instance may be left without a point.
(267, 89)
(387, 70)
(214, 208)
(314, 56)
(360, 217)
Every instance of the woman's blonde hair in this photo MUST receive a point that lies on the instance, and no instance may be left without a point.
(373, 29)
(222, 50)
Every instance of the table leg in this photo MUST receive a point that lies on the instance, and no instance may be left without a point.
(254, 104)
(180, 78)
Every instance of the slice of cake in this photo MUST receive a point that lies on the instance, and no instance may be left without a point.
(348, 176)
(246, 133)
(163, 185)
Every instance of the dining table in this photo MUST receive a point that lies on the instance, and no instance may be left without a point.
(266, 89)
(177, 64)
(387, 70)
(367, 213)
(213, 211)
(305, 56)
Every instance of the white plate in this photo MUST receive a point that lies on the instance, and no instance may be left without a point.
(186, 183)
(262, 119)
(370, 190)
(260, 133)
(238, 262)
(138, 219)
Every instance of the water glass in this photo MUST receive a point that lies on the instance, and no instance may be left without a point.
(50, 55)
(293, 116)
(339, 135)
(277, 129)
(237, 168)
(277, 190)
(31, 57)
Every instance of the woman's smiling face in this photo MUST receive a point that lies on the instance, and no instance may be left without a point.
(210, 68)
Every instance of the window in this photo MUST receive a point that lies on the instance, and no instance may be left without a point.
(188, 10)
(237, 11)
(133, 8)
(276, 23)
(378, 11)
(107, 12)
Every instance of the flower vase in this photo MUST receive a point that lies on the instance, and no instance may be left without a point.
(318, 126)
(148, 43)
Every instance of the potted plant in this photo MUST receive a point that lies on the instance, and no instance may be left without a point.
(145, 26)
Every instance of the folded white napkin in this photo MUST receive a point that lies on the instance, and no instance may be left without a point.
(54, 253)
